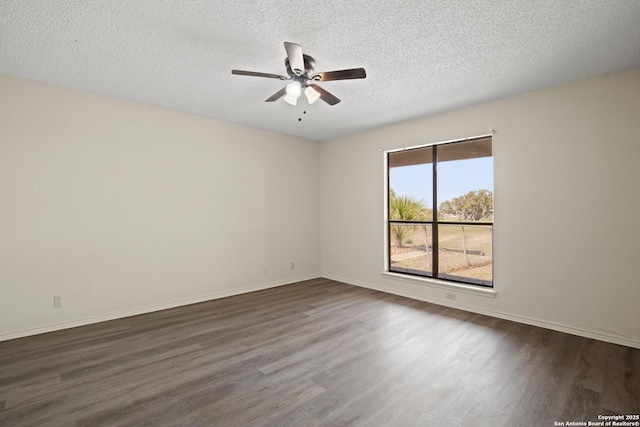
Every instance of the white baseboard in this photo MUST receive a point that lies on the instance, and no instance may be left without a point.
(149, 309)
(615, 339)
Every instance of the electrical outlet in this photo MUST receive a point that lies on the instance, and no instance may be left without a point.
(293, 265)
(450, 295)
(57, 301)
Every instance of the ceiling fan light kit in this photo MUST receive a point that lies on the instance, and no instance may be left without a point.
(300, 70)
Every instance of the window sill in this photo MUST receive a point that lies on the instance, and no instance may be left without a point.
(441, 284)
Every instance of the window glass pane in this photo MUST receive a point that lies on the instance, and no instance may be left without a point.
(410, 248)
(465, 181)
(411, 185)
(465, 253)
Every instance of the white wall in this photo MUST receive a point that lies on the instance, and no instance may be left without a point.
(124, 208)
(567, 206)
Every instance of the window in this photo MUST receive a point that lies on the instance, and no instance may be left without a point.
(440, 211)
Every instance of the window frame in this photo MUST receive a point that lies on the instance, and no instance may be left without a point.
(435, 223)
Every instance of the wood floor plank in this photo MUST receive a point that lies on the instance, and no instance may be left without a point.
(621, 380)
(315, 353)
(581, 404)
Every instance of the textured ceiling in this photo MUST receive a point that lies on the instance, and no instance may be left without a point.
(421, 57)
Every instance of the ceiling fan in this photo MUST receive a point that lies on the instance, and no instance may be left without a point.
(300, 71)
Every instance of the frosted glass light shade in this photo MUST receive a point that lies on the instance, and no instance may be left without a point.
(293, 93)
(293, 100)
(293, 89)
(311, 94)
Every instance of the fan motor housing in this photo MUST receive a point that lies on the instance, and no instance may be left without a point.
(309, 66)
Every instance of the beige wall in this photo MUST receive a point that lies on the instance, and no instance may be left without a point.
(124, 208)
(567, 200)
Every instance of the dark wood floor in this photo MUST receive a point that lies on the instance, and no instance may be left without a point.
(313, 353)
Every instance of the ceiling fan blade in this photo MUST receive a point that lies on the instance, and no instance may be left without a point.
(353, 73)
(256, 74)
(296, 61)
(326, 96)
(279, 94)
